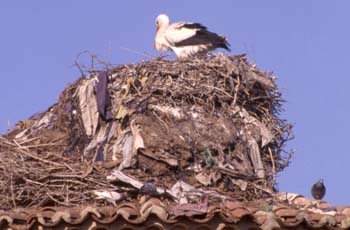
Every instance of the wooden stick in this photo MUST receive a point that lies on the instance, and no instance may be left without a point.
(273, 166)
(34, 157)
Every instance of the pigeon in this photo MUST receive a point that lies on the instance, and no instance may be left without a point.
(149, 188)
(318, 190)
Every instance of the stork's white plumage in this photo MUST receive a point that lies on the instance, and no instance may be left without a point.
(186, 39)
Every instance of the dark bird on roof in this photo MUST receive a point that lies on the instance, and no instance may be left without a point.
(318, 190)
(186, 39)
(149, 188)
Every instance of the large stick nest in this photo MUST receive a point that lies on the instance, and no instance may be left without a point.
(209, 126)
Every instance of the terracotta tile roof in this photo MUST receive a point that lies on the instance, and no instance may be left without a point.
(293, 211)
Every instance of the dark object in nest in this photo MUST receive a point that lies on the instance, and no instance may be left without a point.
(149, 188)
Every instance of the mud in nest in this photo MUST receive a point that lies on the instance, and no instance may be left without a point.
(192, 128)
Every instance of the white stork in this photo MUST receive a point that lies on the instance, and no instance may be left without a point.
(186, 39)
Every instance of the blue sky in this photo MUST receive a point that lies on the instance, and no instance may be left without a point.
(305, 43)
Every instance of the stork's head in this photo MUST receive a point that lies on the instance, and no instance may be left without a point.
(162, 21)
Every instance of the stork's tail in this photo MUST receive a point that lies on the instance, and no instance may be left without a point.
(224, 43)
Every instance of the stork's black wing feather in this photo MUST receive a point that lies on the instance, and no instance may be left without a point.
(204, 36)
(194, 26)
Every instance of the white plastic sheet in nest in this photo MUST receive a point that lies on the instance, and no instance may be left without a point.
(127, 145)
(88, 106)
